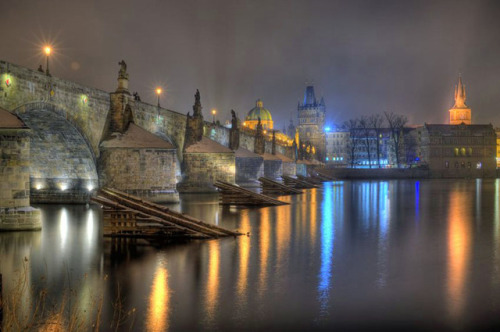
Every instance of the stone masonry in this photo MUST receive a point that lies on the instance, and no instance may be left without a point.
(15, 210)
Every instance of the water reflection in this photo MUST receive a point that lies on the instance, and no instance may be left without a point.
(496, 235)
(458, 250)
(63, 227)
(327, 238)
(159, 302)
(312, 220)
(384, 205)
(264, 244)
(212, 289)
(283, 233)
(244, 254)
(346, 253)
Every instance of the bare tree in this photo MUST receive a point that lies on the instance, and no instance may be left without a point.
(396, 124)
(376, 122)
(352, 125)
(365, 130)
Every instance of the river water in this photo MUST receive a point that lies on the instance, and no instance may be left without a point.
(351, 255)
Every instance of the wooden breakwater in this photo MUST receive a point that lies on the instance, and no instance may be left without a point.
(127, 215)
(271, 187)
(231, 194)
(298, 183)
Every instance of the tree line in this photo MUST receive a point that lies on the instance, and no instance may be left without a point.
(366, 131)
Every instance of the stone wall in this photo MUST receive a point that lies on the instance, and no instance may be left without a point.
(14, 168)
(273, 168)
(142, 172)
(249, 169)
(301, 169)
(15, 212)
(289, 168)
(86, 108)
(201, 170)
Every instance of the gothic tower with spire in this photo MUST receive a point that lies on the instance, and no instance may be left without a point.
(311, 116)
(460, 112)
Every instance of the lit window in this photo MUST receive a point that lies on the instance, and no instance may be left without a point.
(479, 165)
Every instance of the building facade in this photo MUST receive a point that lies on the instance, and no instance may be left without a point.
(337, 147)
(311, 122)
(453, 151)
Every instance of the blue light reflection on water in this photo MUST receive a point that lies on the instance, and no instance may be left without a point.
(327, 242)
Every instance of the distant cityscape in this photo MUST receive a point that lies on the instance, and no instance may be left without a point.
(456, 149)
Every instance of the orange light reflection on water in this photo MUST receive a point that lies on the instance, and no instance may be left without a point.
(264, 243)
(459, 243)
(159, 302)
(213, 279)
(244, 253)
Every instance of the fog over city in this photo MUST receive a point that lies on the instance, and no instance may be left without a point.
(363, 56)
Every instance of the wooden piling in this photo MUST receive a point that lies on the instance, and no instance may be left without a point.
(231, 194)
(271, 187)
(129, 216)
(298, 183)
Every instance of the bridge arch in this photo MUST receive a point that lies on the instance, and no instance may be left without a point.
(63, 165)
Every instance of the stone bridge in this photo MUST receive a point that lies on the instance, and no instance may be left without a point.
(70, 124)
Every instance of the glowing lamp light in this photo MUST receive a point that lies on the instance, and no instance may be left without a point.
(63, 186)
(38, 186)
(8, 81)
(90, 187)
(85, 99)
(47, 50)
(327, 129)
(159, 91)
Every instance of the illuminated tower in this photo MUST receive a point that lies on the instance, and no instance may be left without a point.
(460, 112)
(311, 114)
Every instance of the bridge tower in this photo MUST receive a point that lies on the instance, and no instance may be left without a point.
(311, 116)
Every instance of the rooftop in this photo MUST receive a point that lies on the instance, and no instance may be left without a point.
(206, 145)
(11, 121)
(137, 137)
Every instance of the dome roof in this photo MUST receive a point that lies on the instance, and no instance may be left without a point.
(259, 112)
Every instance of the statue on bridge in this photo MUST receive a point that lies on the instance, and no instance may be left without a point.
(123, 70)
(234, 120)
(259, 143)
(194, 123)
(234, 133)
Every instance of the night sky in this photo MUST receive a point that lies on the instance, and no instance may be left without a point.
(363, 56)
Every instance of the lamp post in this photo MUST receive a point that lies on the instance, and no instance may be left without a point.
(47, 50)
(213, 114)
(158, 93)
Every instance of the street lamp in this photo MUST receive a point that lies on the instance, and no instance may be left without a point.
(158, 93)
(213, 114)
(47, 49)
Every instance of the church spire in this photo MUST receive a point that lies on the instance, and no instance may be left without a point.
(460, 94)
